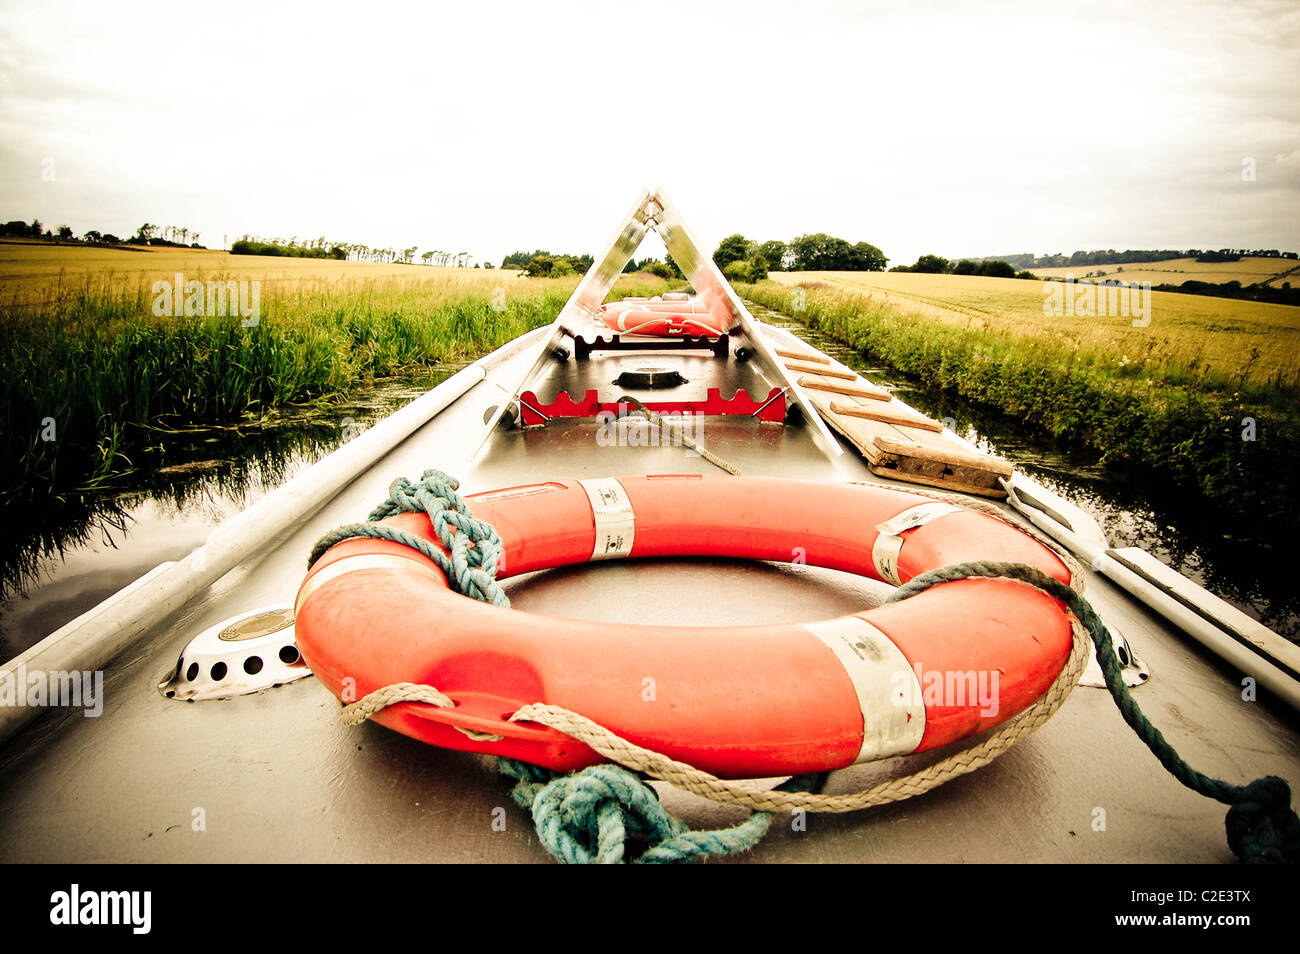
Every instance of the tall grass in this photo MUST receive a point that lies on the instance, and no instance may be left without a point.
(1213, 342)
(93, 366)
(1177, 420)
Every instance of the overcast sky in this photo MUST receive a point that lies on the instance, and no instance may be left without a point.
(957, 128)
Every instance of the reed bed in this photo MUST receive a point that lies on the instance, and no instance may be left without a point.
(1214, 343)
(87, 372)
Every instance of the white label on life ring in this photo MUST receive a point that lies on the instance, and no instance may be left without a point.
(889, 694)
(889, 539)
(615, 521)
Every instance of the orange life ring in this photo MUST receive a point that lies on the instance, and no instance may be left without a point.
(663, 318)
(753, 701)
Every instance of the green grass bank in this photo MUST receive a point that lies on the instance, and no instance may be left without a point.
(86, 377)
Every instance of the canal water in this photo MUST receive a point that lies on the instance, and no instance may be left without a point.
(59, 561)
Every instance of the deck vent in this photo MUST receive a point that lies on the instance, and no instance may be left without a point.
(248, 653)
(650, 379)
(1135, 671)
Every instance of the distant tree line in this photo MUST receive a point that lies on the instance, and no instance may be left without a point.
(181, 237)
(544, 264)
(147, 234)
(1028, 260)
(1285, 295)
(250, 247)
(666, 269)
(938, 265)
(745, 260)
(321, 247)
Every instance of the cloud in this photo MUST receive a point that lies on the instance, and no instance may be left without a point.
(953, 127)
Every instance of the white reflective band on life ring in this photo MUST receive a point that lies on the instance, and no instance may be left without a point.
(615, 521)
(362, 561)
(889, 542)
(889, 694)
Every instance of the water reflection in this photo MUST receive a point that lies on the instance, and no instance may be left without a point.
(60, 558)
(1240, 564)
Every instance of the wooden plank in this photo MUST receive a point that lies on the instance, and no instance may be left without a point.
(816, 356)
(827, 371)
(942, 455)
(994, 492)
(897, 441)
(936, 472)
(916, 456)
(849, 389)
(893, 413)
(860, 433)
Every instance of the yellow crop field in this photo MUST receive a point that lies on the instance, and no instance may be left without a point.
(1257, 340)
(1249, 271)
(33, 272)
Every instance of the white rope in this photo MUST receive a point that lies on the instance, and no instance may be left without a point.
(741, 794)
(658, 421)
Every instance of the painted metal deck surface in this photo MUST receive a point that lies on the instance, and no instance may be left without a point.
(279, 778)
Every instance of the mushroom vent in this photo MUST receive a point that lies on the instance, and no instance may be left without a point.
(247, 653)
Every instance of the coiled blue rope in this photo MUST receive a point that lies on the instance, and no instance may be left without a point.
(475, 548)
(601, 814)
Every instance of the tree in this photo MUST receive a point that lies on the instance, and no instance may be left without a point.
(757, 268)
(774, 253)
(998, 269)
(146, 232)
(64, 232)
(815, 252)
(865, 257)
(737, 271)
(733, 248)
(932, 265)
(539, 266)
